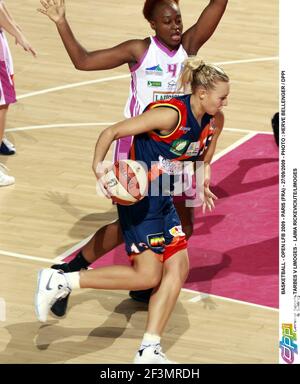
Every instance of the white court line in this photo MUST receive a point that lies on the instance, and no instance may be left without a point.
(72, 125)
(63, 125)
(25, 257)
(241, 130)
(203, 296)
(112, 78)
(231, 147)
(72, 85)
(245, 61)
(75, 247)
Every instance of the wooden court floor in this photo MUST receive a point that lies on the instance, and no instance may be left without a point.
(54, 206)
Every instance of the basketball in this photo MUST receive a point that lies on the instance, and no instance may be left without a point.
(127, 182)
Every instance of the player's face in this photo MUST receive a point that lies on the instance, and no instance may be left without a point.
(214, 100)
(167, 24)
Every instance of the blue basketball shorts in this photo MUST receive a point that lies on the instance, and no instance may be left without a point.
(152, 224)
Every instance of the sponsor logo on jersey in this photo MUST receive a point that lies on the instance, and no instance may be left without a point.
(159, 96)
(156, 70)
(179, 146)
(154, 83)
(176, 231)
(170, 167)
(193, 149)
(185, 129)
(172, 85)
(156, 240)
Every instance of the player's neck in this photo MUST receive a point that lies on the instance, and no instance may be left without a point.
(196, 108)
(163, 45)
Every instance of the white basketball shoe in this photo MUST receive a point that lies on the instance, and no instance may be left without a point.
(52, 285)
(151, 355)
(4, 178)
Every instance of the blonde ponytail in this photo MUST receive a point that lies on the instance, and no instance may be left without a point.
(198, 74)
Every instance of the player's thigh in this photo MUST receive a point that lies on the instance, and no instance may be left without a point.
(149, 265)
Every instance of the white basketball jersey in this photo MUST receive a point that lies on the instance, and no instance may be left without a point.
(5, 54)
(154, 77)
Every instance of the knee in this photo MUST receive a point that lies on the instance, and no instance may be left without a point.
(177, 272)
(149, 279)
(179, 276)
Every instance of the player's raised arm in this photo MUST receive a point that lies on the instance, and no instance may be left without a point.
(126, 52)
(208, 21)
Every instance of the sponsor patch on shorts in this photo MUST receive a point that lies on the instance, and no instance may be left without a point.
(156, 240)
(176, 231)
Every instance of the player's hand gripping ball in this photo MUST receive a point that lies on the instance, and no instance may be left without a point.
(126, 182)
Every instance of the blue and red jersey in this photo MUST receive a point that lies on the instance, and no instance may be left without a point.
(187, 142)
(153, 222)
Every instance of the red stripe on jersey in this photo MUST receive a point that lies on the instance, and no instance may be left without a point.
(178, 106)
(206, 137)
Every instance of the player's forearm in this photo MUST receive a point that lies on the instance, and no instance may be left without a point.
(221, 4)
(104, 142)
(7, 24)
(7, 11)
(207, 172)
(76, 52)
(212, 14)
(198, 34)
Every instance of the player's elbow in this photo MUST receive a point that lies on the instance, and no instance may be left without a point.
(82, 62)
(109, 135)
(80, 65)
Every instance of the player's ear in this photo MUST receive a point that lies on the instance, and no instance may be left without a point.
(152, 24)
(201, 93)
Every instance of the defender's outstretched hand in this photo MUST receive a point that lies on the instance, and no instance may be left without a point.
(54, 9)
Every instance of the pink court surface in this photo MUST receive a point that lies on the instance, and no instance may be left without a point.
(234, 249)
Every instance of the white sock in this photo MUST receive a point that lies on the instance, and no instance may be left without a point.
(150, 339)
(73, 279)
